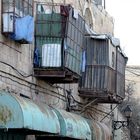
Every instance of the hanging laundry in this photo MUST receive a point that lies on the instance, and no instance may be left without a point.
(36, 57)
(64, 10)
(75, 13)
(24, 29)
(83, 65)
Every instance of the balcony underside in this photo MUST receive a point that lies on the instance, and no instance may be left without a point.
(56, 76)
(101, 96)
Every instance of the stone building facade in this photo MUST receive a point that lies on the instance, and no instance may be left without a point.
(17, 75)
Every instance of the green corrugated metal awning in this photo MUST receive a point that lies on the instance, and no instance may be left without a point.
(21, 113)
(18, 113)
(73, 126)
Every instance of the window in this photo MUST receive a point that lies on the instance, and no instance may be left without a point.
(88, 18)
(11, 9)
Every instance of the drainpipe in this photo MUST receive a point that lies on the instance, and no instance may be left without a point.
(104, 4)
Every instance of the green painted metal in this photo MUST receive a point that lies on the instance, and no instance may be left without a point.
(63, 27)
(49, 25)
(74, 126)
(21, 113)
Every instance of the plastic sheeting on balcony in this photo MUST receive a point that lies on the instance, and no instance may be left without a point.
(24, 29)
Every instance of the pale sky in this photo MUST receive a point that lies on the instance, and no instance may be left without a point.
(126, 14)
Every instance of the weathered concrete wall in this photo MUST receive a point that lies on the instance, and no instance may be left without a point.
(103, 21)
(122, 133)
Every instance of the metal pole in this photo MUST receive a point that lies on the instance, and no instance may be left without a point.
(104, 4)
(88, 104)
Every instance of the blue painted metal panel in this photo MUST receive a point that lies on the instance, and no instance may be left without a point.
(17, 112)
(74, 126)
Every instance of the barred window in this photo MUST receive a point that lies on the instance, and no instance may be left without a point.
(12, 9)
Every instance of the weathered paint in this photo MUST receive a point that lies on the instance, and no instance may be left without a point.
(100, 131)
(62, 36)
(73, 126)
(21, 113)
(104, 76)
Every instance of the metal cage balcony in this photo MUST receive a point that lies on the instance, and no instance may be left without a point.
(58, 39)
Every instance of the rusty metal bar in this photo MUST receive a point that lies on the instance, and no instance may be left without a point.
(88, 104)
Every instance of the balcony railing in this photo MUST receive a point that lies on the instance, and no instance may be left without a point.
(98, 81)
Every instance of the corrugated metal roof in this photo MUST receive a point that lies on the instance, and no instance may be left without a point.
(74, 126)
(101, 131)
(94, 35)
(21, 113)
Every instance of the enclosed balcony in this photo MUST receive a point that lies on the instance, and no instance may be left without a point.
(17, 20)
(59, 35)
(104, 75)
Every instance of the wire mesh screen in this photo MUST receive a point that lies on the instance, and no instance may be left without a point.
(56, 24)
(50, 24)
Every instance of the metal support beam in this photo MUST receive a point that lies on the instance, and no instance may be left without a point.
(88, 104)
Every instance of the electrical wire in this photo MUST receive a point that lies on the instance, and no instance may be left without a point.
(25, 76)
(100, 110)
(56, 94)
(57, 102)
(134, 67)
(3, 43)
(133, 72)
(109, 113)
(60, 97)
(26, 80)
(81, 105)
(34, 88)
